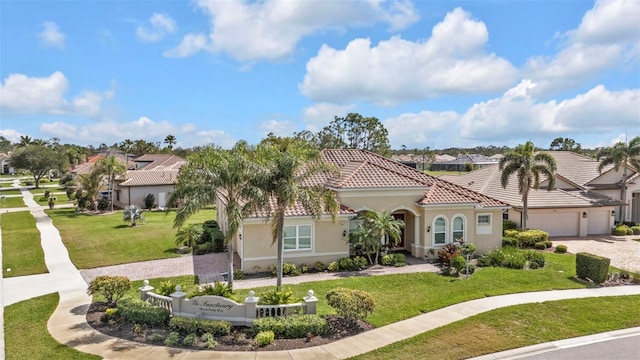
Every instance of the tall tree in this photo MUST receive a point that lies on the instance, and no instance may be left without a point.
(565, 144)
(37, 159)
(355, 132)
(112, 167)
(213, 173)
(380, 228)
(170, 140)
(5, 145)
(90, 184)
(291, 166)
(127, 147)
(529, 166)
(625, 155)
(24, 141)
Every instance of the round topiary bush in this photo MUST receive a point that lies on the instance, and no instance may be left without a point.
(540, 245)
(561, 249)
(622, 230)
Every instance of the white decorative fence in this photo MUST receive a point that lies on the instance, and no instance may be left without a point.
(220, 308)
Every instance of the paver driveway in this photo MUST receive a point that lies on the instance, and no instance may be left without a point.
(623, 251)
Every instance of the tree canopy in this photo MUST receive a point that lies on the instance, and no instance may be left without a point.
(37, 159)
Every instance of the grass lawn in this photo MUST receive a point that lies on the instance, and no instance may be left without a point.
(440, 173)
(21, 250)
(61, 198)
(13, 202)
(10, 192)
(40, 191)
(516, 326)
(105, 239)
(26, 335)
(4, 184)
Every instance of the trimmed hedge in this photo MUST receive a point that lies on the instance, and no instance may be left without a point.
(185, 325)
(350, 303)
(141, 312)
(593, 267)
(561, 249)
(291, 327)
(509, 241)
(530, 237)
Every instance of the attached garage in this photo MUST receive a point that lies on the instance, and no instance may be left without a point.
(599, 222)
(555, 223)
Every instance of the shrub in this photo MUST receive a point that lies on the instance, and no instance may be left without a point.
(149, 201)
(172, 339)
(387, 260)
(530, 237)
(203, 249)
(508, 225)
(289, 268)
(621, 230)
(141, 312)
(208, 340)
(277, 297)
(264, 338)
(218, 289)
(548, 244)
(156, 337)
(333, 266)
(540, 245)
(112, 288)
(511, 233)
(515, 259)
(458, 263)
(561, 249)
(472, 269)
(589, 266)
(395, 259)
(304, 268)
(361, 261)
(292, 327)
(635, 229)
(446, 253)
(185, 325)
(351, 304)
(103, 204)
(238, 274)
(166, 288)
(319, 266)
(536, 259)
(47, 193)
(347, 264)
(509, 241)
(212, 236)
(190, 340)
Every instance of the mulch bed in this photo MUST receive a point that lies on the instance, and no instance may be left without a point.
(240, 338)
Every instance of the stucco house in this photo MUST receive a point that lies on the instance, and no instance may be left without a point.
(584, 201)
(463, 163)
(5, 168)
(435, 212)
(153, 174)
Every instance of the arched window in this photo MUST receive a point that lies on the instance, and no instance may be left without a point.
(458, 228)
(439, 231)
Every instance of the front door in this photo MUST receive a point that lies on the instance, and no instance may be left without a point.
(400, 216)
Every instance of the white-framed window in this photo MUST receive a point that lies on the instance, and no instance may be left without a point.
(440, 231)
(484, 219)
(297, 237)
(457, 229)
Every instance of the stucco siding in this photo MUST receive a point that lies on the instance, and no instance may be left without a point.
(134, 195)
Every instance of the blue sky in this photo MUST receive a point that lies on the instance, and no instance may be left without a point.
(437, 73)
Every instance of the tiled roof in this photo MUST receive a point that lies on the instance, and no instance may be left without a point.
(470, 159)
(150, 177)
(577, 168)
(487, 181)
(361, 169)
(297, 210)
(159, 162)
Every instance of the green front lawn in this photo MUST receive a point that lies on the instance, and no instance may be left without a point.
(516, 326)
(105, 239)
(26, 335)
(6, 184)
(10, 192)
(21, 250)
(61, 198)
(12, 202)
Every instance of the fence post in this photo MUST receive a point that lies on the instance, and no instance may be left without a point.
(250, 305)
(144, 290)
(311, 301)
(176, 300)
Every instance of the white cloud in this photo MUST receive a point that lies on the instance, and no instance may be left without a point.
(453, 60)
(217, 137)
(271, 29)
(319, 115)
(161, 25)
(277, 127)
(517, 114)
(418, 130)
(51, 35)
(21, 94)
(11, 135)
(109, 131)
(190, 45)
(606, 38)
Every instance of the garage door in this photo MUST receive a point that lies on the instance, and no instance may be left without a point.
(556, 224)
(599, 222)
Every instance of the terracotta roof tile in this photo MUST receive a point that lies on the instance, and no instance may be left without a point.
(150, 177)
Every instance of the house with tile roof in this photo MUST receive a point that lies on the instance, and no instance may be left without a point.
(435, 212)
(463, 163)
(154, 174)
(583, 202)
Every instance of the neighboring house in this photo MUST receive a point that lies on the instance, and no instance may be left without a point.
(4, 165)
(154, 174)
(464, 163)
(576, 207)
(435, 213)
(87, 166)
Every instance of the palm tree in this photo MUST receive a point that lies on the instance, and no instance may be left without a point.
(529, 166)
(24, 141)
(381, 228)
(213, 173)
(189, 235)
(91, 184)
(291, 168)
(112, 167)
(127, 147)
(170, 140)
(621, 154)
(132, 214)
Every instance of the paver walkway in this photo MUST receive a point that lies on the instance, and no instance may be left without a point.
(623, 251)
